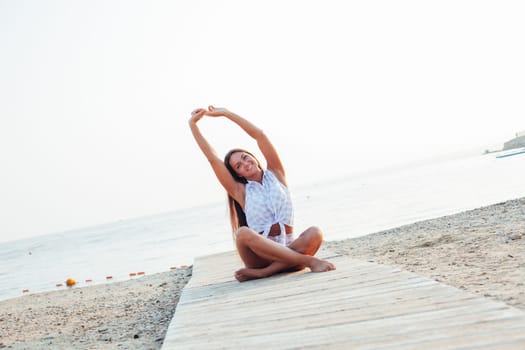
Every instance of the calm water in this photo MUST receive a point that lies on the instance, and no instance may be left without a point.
(348, 207)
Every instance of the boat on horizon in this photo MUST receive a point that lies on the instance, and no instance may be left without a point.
(511, 152)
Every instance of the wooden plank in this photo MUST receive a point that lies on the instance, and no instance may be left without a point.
(361, 305)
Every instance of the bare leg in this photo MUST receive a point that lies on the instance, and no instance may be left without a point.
(264, 257)
(307, 243)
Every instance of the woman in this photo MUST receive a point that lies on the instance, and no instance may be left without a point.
(260, 205)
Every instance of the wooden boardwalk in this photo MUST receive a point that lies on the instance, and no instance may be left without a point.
(361, 305)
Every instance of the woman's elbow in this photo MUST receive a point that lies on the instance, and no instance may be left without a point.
(259, 134)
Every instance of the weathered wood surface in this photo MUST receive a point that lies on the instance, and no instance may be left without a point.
(361, 305)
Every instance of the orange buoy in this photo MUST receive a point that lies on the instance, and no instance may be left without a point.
(59, 284)
(133, 274)
(70, 282)
(140, 273)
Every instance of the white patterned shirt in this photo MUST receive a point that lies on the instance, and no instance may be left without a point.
(268, 203)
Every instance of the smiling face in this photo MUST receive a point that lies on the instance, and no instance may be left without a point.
(245, 165)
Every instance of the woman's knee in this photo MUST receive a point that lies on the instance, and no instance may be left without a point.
(309, 241)
(315, 239)
(314, 233)
(244, 234)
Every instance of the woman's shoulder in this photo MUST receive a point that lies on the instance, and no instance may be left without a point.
(279, 176)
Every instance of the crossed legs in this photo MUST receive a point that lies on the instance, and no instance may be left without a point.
(263, 257)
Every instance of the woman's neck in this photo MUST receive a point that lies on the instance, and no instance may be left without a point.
(257, 176)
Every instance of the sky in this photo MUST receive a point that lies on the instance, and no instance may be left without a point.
(95, 95)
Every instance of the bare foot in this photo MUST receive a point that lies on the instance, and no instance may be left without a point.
(321, 265)
(246, 274)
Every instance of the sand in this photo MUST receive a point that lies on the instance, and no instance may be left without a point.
(481, 251)
(132, 314)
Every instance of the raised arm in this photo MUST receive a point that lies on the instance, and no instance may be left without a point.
(267, 149)
(235, 189)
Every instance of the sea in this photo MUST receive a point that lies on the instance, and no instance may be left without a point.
(345, 207)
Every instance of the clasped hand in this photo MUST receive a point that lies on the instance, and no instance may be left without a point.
(198, 113)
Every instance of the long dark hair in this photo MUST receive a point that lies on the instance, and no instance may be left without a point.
(237, 216)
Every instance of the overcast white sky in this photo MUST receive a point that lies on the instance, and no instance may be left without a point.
(95, 95)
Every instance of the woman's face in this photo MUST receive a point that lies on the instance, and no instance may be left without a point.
(244, 165)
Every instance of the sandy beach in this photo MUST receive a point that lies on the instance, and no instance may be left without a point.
(132, 314)
(480, 251)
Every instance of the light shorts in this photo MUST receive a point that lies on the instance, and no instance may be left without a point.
(289, 239)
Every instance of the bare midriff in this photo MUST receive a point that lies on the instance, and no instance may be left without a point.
(275, 230)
